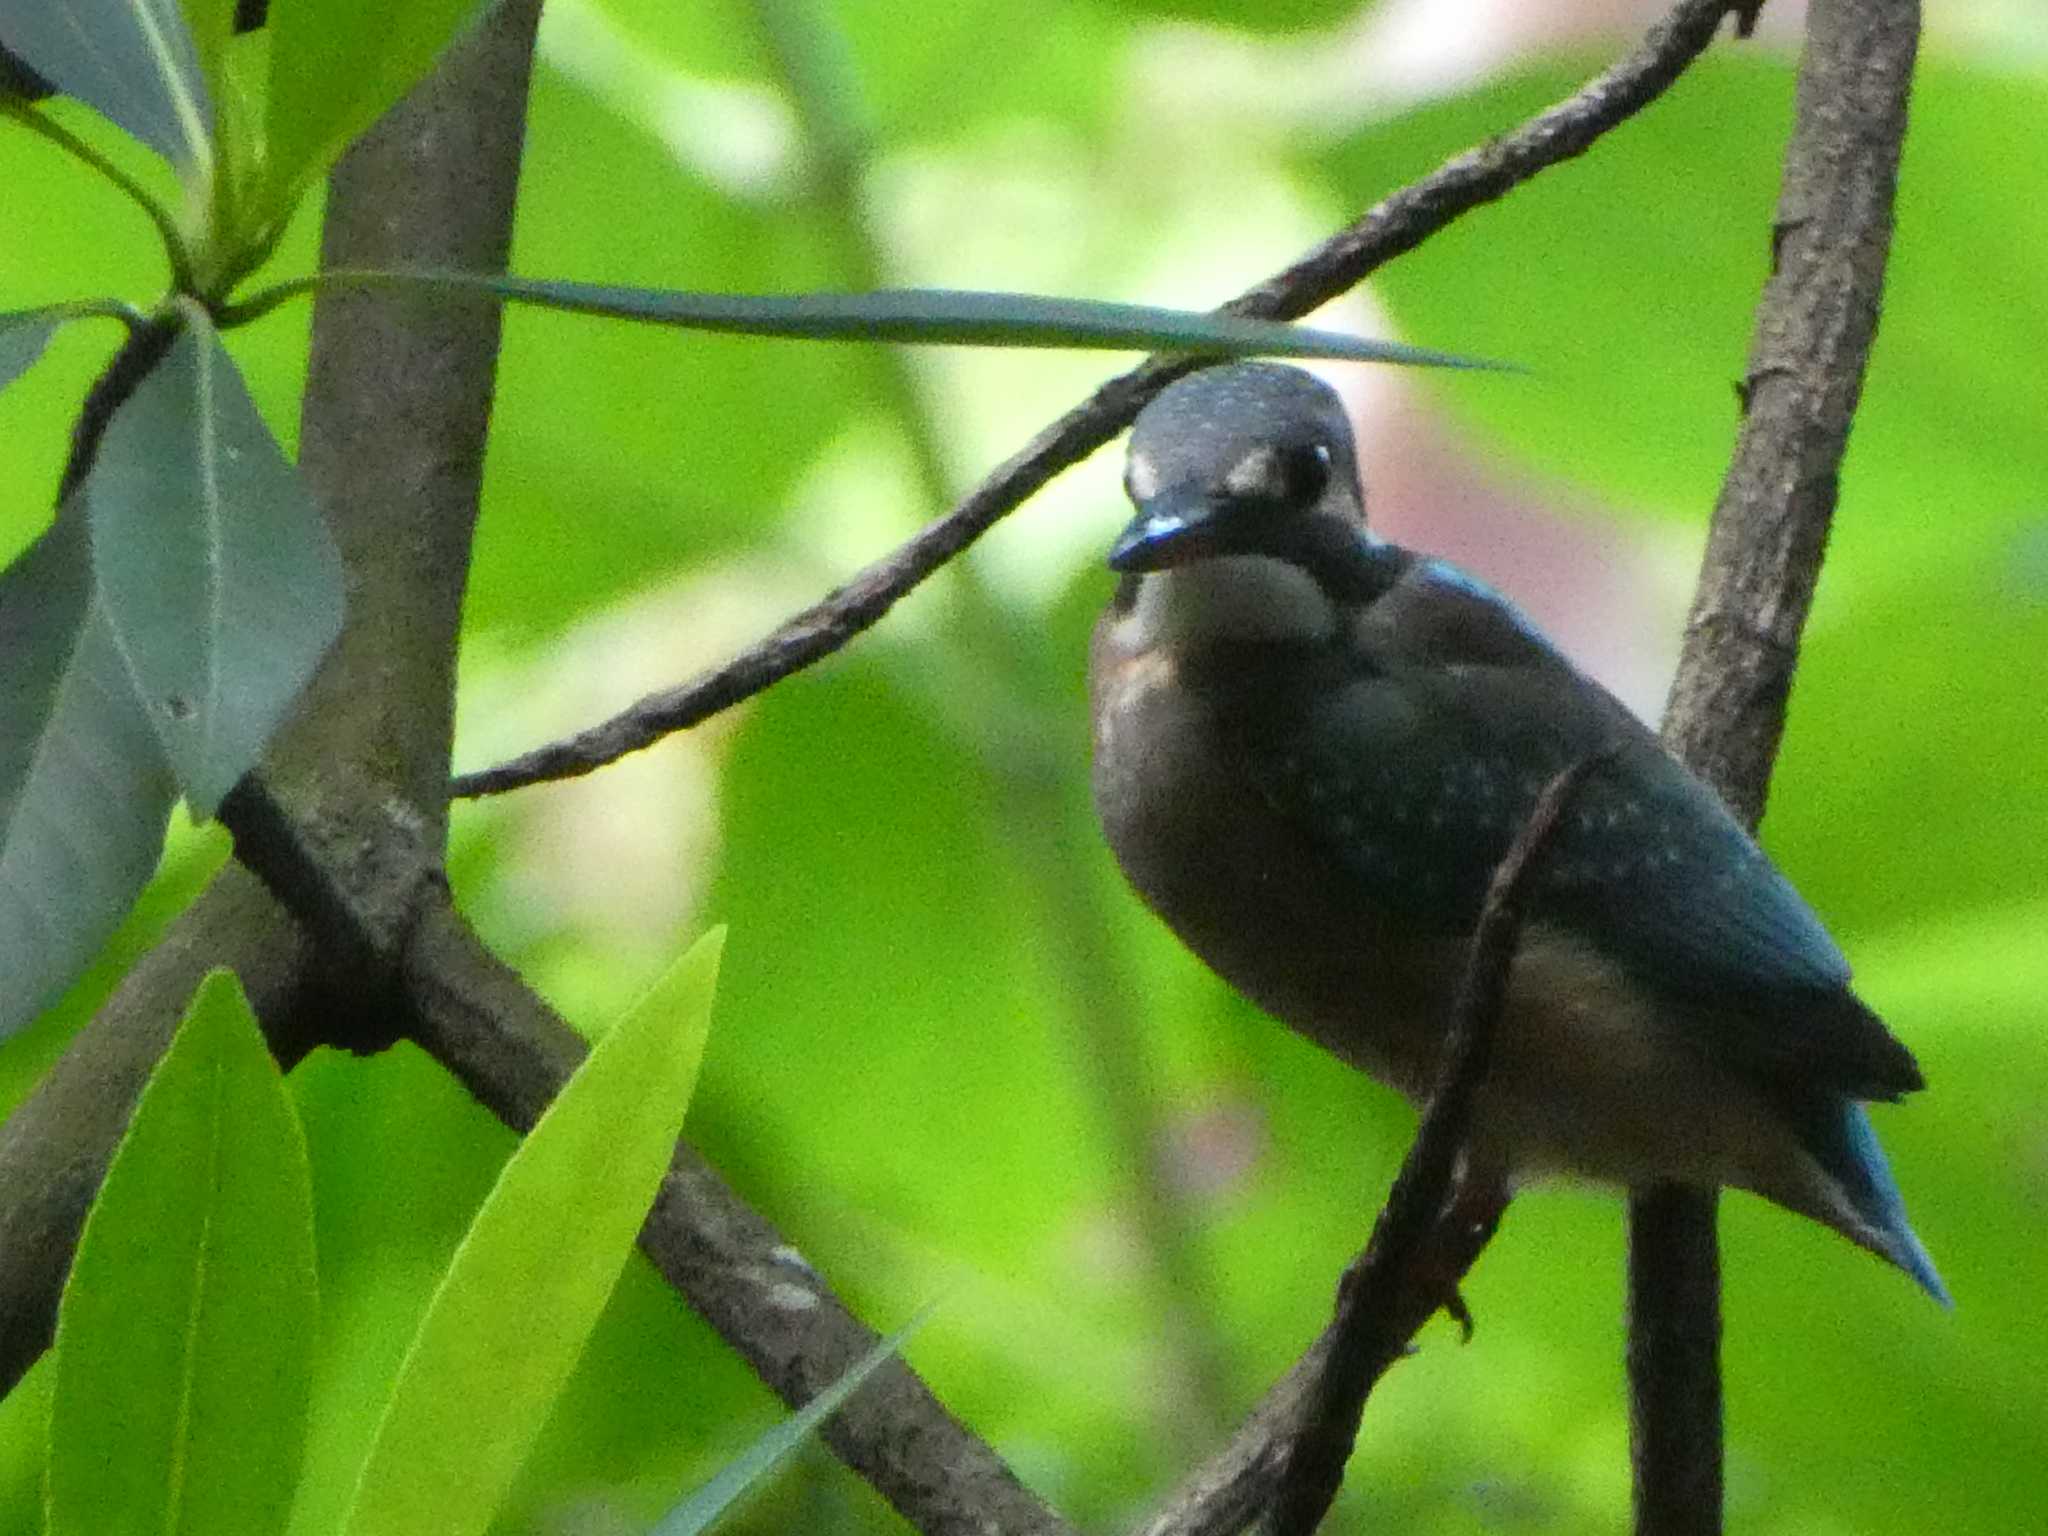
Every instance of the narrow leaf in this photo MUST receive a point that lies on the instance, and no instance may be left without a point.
(928, 316)
(526, 1287)
(221, 581)
(185, 1334)
(84, 791)
(131, 60)
(759, 1461)
(336, 66)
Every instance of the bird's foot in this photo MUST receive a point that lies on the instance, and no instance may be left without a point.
(1459, 1313)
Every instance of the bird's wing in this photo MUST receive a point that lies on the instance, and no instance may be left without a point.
(1422, 753)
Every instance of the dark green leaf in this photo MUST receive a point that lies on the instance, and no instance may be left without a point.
(926, 316)
(185, 1335)
(336, 66)
(533, 1273)
(216, 570)
(132, 60)
(84, 792)
(759, 1461)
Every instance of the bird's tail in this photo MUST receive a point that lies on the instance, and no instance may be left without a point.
(1838, 1133)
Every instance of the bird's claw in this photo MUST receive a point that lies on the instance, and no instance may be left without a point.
(1458, 1312)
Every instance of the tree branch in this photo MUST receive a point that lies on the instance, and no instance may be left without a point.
(1397, 225)
(1288, 1459)
(373, 729)
(1430, 1231)
(476, 1017)
(1814, 326)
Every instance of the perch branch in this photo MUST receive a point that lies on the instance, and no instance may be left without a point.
(1428, 1233)
(1814, 324)
(1399, 224)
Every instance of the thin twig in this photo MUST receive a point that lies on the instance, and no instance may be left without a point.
(1424, 1240)
(1814, 325)
(1400, 223)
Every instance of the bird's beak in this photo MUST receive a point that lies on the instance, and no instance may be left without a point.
(1173, 528)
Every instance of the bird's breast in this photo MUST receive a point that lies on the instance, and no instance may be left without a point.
(1183, 808)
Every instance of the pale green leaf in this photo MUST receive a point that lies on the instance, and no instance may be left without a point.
(185, 1334)
(759, 1461)
(336, 66)
(220, 579)
(535, 1269)
(84, 791)
(131, 60)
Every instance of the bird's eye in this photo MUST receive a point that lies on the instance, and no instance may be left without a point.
(1305, 472)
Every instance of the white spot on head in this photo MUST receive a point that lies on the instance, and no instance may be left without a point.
(1141, 478)
(1258, 476)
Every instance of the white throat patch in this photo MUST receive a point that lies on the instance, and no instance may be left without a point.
(1230, 598)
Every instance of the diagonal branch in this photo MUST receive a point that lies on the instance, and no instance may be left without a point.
(476, 1017)
(1814, 327)
(1287, 1461)
(1399, 224)
(1431, 1230)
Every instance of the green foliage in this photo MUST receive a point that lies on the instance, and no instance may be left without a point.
(336, 66)
(754, 1466)
(217, 575)
(513, 1311)
(84, 789)
(185, 1338)
(133, 60)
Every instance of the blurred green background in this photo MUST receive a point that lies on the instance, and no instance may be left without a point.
(952, 1056)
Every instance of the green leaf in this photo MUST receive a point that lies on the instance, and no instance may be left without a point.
(131, 60)
(925, 316)
(760, 1460)
(84, 791)
(220, 579)
(211, 25)
(336, 66)
(185, 1335)
(533, 1273)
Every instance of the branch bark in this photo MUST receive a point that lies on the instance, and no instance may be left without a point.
(1430, 1232)
(1814, 326)
(373, 730)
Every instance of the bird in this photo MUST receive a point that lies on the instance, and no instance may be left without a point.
(1311, 749)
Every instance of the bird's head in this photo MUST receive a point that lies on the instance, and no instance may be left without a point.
(1242, 459)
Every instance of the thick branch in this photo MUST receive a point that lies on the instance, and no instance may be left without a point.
(1814, 327)
(1399, 224)
(380, 705)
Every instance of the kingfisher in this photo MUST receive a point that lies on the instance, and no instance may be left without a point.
(1311, 750)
